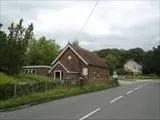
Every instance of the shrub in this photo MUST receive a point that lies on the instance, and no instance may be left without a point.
(7, 91)
(4, 79)
(30, 77)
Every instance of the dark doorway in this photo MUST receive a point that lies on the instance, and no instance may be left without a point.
(57, 75)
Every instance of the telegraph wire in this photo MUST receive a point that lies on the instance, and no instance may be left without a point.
(93, 9)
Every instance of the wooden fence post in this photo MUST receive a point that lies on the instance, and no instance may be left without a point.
(46, 86)
(15, 90)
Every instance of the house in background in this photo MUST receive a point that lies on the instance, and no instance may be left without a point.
(74, 62)
(37, 69)
(133, 66)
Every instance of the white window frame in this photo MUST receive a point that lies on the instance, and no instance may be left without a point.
(30, 71)
(60, 71)
(84, 71)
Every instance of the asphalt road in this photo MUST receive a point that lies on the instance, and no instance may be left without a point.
(140, 101)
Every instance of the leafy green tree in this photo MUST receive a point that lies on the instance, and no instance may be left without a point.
(3, 41)
(136, 54)
(151, 61)
(42, 51)
(112, 62)
(16, 46)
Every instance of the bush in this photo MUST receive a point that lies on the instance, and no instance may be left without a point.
(124, 72)
(4, 79)
(30, 77)
(7, 91)
(40, 97)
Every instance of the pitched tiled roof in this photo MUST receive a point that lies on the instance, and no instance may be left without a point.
(90, 57)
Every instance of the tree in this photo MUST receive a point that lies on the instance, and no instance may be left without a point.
(3, 41)
(42, 51)
(16, 46)
(111, 62)
(76, 42)
(136, 54)
(151, 61)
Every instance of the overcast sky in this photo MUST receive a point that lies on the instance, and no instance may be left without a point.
(114, 23)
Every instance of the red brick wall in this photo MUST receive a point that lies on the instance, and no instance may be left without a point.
(39, 71)
(74, 64)
(96, 74)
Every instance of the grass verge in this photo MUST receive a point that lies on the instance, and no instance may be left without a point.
(142, 77)
(54, 94)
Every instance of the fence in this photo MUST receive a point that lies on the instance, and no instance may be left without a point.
(23, 88)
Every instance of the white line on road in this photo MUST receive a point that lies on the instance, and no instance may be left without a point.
(145, 84)
(136, 88)
(116, 99)
(129, 92)
(141, 86)
(90, 114)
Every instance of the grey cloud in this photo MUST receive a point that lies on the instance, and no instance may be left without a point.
(141, 34)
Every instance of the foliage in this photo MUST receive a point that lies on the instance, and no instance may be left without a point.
(3, 41)
(136, 53)
(22, 77)
(4, 79)
(144, 77)
(76, 42)
(42, 51)
(151, 61)
(14, 47)
(111, 62)
(40, 97)
(116, 58)
(10, 90)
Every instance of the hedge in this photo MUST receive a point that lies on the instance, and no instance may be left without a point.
(24, 88)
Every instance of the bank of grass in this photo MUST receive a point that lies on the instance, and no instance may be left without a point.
(143, 77)
(4, 79)
(54, 94)
(22, 77)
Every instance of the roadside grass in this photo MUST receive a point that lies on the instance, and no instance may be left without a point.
(4, 79)
(143, 77)
(54, 94)
(139, 77)
(22, 77)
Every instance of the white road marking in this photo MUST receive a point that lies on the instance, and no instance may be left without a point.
(136, 88)
(129, 92)
(145, 84)
(116, 99)
(90, 114)
(141, 86)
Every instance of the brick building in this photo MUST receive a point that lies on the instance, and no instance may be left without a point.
(74, 62)
(37, 69)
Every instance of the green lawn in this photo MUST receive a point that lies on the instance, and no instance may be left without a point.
(54, 94)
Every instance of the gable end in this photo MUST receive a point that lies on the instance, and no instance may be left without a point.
(69, 46)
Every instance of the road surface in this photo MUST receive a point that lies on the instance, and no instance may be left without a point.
(139, 101)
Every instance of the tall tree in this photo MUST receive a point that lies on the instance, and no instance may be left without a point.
(3, 41)
(42, 51)
(76, 42)
(151, 61)
(136, 54)
(17, 42)
(112, 62)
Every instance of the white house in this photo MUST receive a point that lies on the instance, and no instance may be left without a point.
(133, 66)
